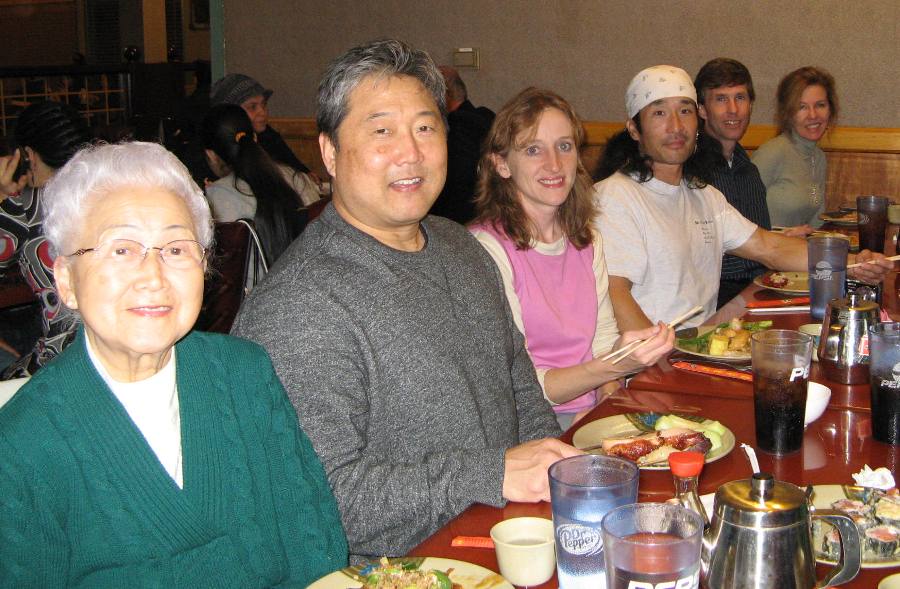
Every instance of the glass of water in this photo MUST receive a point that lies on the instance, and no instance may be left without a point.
(652, 545)
(583, 489)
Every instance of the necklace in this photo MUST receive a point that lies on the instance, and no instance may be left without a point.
(814, 195)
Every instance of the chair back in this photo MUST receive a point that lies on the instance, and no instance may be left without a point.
(236, 266)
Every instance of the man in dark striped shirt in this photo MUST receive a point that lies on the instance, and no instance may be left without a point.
(725, 96)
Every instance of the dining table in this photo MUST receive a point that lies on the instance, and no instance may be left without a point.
(835, 446)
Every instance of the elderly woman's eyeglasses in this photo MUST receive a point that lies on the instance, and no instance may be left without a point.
(181, 254)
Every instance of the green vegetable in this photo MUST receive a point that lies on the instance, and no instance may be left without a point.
(443, 580)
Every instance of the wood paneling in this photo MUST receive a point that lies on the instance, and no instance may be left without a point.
(860, 160)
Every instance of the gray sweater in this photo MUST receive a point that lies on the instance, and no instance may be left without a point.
(406, 370)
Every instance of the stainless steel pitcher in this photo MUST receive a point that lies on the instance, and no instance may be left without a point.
(760, 537)
(843, 347)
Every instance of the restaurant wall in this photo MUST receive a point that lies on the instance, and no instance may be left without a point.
(37, 33)
(585, 50)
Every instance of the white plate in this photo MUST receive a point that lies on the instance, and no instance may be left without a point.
(703, 330)
(823, 497)
(464, 574)
(633, 424)
(798, 282)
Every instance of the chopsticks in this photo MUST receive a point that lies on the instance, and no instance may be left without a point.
(858, 264)
(620, 354)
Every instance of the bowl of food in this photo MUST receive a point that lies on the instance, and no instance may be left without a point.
(817, 397)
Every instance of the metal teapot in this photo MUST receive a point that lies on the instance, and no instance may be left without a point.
(760, 537)
(843, 347)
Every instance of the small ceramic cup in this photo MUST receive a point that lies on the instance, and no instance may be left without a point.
(890, 582)
(815, 330)
(894, 214)
(817, 397)
(526, 551)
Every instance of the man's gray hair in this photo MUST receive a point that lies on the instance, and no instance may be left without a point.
(382, 58)
(98, 170)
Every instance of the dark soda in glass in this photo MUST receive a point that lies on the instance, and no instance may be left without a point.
(779, 405)
(886, 409)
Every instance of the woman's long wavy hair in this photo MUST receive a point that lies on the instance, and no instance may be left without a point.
(228, 132)
(497, 201)
(791, 87)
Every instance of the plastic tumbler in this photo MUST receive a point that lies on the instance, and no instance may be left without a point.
(780, 360)
(652, 545)
(827, 263)
(871, 218)
(884, 375)
(583, 489)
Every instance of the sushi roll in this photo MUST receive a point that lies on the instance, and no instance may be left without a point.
(881, 541)
(852, 507)
(888, 512)
(831, 544)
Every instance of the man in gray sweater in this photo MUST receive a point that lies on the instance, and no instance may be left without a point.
(390, 329)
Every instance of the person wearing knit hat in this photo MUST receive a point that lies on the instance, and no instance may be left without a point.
(664, 228)
(253, 97)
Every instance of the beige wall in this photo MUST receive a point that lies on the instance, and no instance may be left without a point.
(585, 49)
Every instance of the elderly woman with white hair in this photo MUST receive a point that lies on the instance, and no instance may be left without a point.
(146, 454)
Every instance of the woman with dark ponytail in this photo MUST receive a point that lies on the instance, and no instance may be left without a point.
(251, 184)
(47, 135)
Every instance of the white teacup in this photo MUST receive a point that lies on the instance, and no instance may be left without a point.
(815, 330)
(890, 582)
(526, 551)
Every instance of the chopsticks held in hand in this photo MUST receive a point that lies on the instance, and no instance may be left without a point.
(858, 264)
(620, 354)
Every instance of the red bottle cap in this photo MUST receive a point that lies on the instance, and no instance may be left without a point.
(686, 464)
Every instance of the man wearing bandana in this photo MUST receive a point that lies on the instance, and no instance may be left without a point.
(664, 228)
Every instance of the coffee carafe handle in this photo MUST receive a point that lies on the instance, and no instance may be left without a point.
(850, 550)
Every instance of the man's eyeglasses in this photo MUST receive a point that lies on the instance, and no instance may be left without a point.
(181, 254)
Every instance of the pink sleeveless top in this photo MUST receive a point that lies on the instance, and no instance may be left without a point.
(558, 296)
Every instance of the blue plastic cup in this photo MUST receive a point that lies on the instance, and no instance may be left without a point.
(827, 262)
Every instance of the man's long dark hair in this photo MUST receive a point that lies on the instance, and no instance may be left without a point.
(623, 154)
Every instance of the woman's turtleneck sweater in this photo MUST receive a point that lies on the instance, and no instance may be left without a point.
(794, 171)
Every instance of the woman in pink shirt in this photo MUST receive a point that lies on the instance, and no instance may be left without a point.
(535, 212)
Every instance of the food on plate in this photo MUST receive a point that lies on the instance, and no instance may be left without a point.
(727, 339)
(853, 238)
(876, 514)
(848, 216)
(406, 576)
(775, 280)
(713, 430)
(656, 447)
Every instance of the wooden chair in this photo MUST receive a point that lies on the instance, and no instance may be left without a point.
(236, 266)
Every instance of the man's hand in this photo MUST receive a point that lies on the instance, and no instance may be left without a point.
(8, 165)
(798, 231)
(525, 476)
(872, 272)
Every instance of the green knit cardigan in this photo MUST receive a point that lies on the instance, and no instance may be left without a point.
(84, 502)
